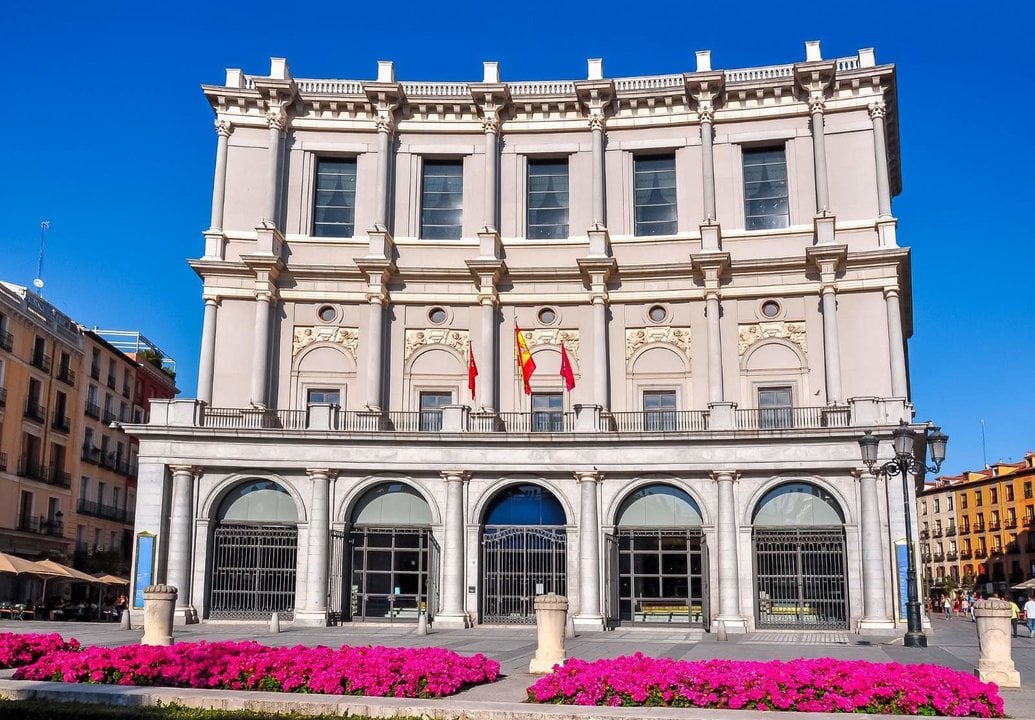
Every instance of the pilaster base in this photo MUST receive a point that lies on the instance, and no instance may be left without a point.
(588, 623)
(735, 624)
(1002, 674)
(874, 626)
(185, 616)
(310, 618)
(452, 621)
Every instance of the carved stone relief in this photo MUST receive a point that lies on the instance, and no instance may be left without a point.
(456, 339)
(635, 338)
(348, 338)
(791, 331)
(553, 336)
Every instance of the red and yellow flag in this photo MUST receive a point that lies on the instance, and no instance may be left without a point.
(524, 358)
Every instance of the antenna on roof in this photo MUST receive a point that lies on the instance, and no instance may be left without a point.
(38, 280)
(984, 454)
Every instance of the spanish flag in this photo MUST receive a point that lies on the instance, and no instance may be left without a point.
(524, 358)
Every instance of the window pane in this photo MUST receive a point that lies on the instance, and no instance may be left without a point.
(335, 203)
(655, 195)
(547, 199)
(547, 412)
(442, 200)
(766, 205)
(324, 396)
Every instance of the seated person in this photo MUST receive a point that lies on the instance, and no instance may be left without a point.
(57, 609)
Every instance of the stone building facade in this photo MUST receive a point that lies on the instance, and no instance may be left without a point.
(711, 258)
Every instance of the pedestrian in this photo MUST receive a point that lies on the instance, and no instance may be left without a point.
(1015, 614)
(957, 606)
(947, 607)
(1029, 615)
(964, 609)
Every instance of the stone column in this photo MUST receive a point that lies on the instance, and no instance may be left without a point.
(375, 331)
(206, 366)
(589, 617)
(487, 367)
(729, 574)
(875, 612)
(896, 345)
(453, 614)
(223, 128)
(180, 544)
(601, 389)
(880, 155)
(261, 347)
(277, 121)
(315, 611)
(713, 312)
(596, 125)
(491, 125)
(819, 154)
(385, 125)
(707, 115)
(831, 347)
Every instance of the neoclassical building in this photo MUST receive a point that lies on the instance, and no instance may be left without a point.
(710, 256)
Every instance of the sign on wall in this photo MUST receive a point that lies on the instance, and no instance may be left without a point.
(902, 558)
(143, 573)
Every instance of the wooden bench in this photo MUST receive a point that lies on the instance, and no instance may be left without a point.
(663, 609)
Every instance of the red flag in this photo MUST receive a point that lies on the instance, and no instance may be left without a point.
(566, 373)
(524, 359)
(472, 369)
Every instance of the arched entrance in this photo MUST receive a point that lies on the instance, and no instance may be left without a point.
(524, 553)
(254, 552)
(800, 562)
(657, 559)
(390, 557)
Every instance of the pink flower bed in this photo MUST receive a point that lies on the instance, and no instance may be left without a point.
(375, 671)
(17, 650)
(821, 685)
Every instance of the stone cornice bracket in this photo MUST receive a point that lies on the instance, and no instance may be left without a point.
(264, 265)
(378, 273)
(224, 127)
(384, 95)
(596, 97)
(492, 98)
(827, 259)
(325, 472)
(596, 272)
(486, 273)
(815, 80)
(711, 267)
(717, 475)
(705, 91)
(278, 92)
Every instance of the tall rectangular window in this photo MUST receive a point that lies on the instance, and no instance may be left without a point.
(655, 194)
(442, 195)
(775, 408)
(431, 404)
(547, 412)
(659, 410)
(765, 189)
(547, 199)
(334, 209)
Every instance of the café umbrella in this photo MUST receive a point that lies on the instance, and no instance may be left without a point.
(63, 572)
(14, 565)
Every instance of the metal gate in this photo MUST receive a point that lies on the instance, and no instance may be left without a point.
(611, 603)
(336, 602)
(253, 571)
(393, 573)
(518, 563)
(800, 579)
(660, 576)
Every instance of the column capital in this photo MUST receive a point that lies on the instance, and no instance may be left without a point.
(597, 121)
(588, 476)
(461, 476)
(491, 124)
(192, 470)
(276, 117)
(817, 104)
(385, 122)
(224, 127)
(211, 299)
(877, 109)
(725, 475)
(891, 291)
(705, 114)
(325, 473)
(860, 473)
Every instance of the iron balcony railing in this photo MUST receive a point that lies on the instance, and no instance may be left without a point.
(950, 531)
(61, 423)
(66, 375)
(91, 454)
(993, 526)
(3, 397)
(1010, 523)
(964, 529)
(125, 391)
(95, 509)
(57, 476)
(6, 341)
(937, 532)
(3, 462)
(939, 557)
(109, 417)
(1012, 548)
(965, 554)
(980, 553)
(660, 421)
(41, 525)
(32, 468)
(35, 411)
(979, 527)
(951, 555)
(792, 418)
(95, 372)
(111, 382)
(93, 410)
(41, 361)
(924, 534)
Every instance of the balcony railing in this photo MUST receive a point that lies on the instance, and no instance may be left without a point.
(1010, 523)
(95, 509)
(993, 527)
(924, 534)
(950, 531)
(980, 553)
(61, 423)
(95, 372)
(3, 462)
(93, 410)
(964, 529)
(109, 417)
(41, 525)
(939, 557)
(937, 532)
(57, 476)
(979, 527)
(111, 382)
(660, 421)
(3, 397)
(41, 361)
(91, 454)
(31, 468)
(125, 391)
(951, 555)
(965, 554)
(6, 341)
(35, 411)
(66, 375)
(792, 418)
(1012, 548)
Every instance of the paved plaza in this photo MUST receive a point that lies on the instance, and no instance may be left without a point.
(953, 643)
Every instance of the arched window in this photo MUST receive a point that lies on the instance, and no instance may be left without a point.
(525, 505)
(659, 506)
(258, 501)
(799, 505)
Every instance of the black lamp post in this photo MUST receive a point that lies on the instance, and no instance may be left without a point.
(906, 463)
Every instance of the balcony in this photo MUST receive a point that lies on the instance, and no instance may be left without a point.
(792, 418)
(111, 382)
(41, 525)
(660, 421)
(40, 361)
(3, 397)
(32, 469)
(93, 410)
(1012, 548)
(3, 462)
(964, 529)
(965, 554)
(109, 417)
(34, 411)
(95, 372)
(993, 527)
(61, 424)
(108, 512)
(6, 341)
(1010, 523)
(951, 555)
(924, 534)
(57, 476)
(950, 531)
(980, 553)
(66, 375)
(125, 391)
(937, 532)
(979, 527)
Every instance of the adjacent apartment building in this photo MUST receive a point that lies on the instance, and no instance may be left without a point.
(615, 338)
(67, 467)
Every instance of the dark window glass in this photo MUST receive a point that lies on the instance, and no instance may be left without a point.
(334, 211)
(765, 189)
(774, 407)
(655, 195)
(442, 200)
(431, 404)
(547, 412)
(324, 396)
(659, 408)
(547, 199)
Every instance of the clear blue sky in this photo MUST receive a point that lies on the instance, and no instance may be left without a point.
(106, 134)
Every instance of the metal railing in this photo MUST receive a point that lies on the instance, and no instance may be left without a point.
(3, 397)
(61, 423)
(57, 476)
(93, 410)
(979, 527)
(924, 534)
(111, 381)
(6, 341)
(950, 555)
(937, 532)
(980, 553)
(95, 372)
(660, 421)
(95, 509)
(965, 554)
(964, 529)
(950, 531)
(792, 418)
(3, 462)
(41, 361)
(35, 411)
(41, 525)
(31, 468)
(66, 375)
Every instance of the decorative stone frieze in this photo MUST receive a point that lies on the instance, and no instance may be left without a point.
(347, 338)
(635, 338)
(791, 331)
(456, 339)
(553, 336)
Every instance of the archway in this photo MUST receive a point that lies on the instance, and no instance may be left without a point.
(391, 558)
(800, 561)
(657, 559)
(254, 552)
(524, 553)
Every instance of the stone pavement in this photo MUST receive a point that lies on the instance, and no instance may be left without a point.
(953, 643)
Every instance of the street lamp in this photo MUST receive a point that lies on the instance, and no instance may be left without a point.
(905, 463)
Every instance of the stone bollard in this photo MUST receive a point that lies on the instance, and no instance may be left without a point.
(993, 629)
(550, 613)
(159, 604)
(124, 622)
(275, 623)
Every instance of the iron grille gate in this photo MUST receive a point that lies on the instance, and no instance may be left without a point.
(393, 573)
(336, 602)
(611, 608)
(800, 579)
(518, 563)
(659, 575)
(253, 572)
